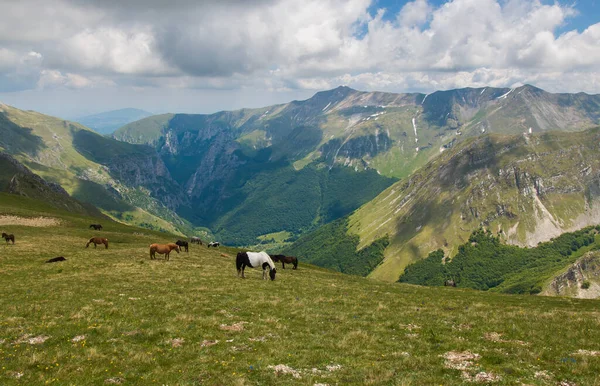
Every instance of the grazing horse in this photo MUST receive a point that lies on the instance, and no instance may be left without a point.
(96, 241)
(285, 259)
(449, 283)
(196, 240)
(213, 244)
(163, 249)
(97, 227)
(183, 244)
(255, 260)
(56, 259)
(8, 237)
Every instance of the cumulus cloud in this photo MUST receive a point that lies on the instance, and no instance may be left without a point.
(287, 44)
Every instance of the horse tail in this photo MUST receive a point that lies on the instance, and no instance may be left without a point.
(239, 260)
(295, 262)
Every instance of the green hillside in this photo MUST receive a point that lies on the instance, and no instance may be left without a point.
(121, 179)
(529, 188)
(485, 263)
(115, 317)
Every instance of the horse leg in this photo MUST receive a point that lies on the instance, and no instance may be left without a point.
(95, 245)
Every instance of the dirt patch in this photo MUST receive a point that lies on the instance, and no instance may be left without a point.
(239, 326)
(39, 222)
(460, 360)
(176, 342)
(114, 380)
(588, 353)
(208, 343)
(28, 338)
(481, 377)
(497, 337)
(285, 369)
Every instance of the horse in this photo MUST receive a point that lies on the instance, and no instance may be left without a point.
(96, 241)
(56, 259)
(255, 260)
(449, 283)
(213, 244)
(163, 249)
(285, 259)
(97, 227)
(183, 244)
(196, 240)
(8, 237)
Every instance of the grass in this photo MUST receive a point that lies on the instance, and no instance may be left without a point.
(115, 316)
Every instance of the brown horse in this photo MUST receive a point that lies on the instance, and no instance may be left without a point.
(285, 259)
(7, 237)
(163, 249)
(96, 241)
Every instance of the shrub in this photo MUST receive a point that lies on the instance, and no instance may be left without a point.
(585, 284)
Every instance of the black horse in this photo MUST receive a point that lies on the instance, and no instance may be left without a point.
(285, 259)
(183, 244)
(8, 237)
(96, 226)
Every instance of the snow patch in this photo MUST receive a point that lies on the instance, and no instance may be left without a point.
(505, 95)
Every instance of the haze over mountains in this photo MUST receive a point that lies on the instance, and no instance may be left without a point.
(275, 173)
(109, 121)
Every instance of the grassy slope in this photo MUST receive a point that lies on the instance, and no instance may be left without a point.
(49, 147)
(442, 203)
(129, 309)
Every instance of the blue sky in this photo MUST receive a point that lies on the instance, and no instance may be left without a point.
(75, 57)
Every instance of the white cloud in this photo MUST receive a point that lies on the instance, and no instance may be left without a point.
(287, 44)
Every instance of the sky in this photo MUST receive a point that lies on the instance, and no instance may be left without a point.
(70, 58)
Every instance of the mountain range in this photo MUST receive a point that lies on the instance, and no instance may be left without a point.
(392, 175)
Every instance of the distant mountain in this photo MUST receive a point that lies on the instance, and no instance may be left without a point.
(528, 188)
(109, 121)
(292, 167)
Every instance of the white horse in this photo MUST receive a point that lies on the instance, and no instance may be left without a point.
(255, 260)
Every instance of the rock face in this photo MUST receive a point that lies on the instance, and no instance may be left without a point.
(581, 280)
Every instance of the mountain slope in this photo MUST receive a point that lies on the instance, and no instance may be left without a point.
(222, 159)
(109, 121)
(115, 317)
(17, 179)
(121, 179)
(528, 188)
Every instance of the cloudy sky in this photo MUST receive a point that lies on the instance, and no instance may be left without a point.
(74, 57)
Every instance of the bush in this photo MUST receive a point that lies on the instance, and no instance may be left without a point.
(585, 284)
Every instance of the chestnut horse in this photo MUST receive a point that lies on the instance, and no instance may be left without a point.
(96, 241)
(163, 249)
(285, 259)
(10, 237)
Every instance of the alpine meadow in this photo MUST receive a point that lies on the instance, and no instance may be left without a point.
(284, 192)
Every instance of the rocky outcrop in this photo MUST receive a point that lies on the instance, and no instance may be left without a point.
(581, 280)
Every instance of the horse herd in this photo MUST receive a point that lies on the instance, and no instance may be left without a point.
(243, 259)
